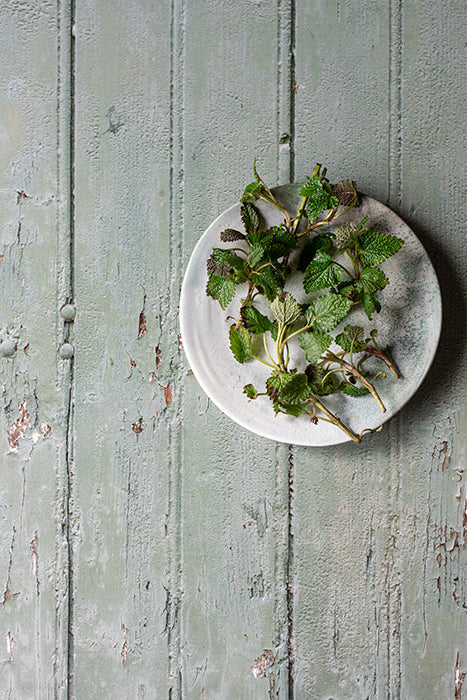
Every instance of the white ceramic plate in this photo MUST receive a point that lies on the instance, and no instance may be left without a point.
(410, 323)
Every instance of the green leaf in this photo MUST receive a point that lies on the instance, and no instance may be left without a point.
(352, 339)
(221, 289)
(295, 390)
(254, 321)
(256, 254)
(370, 304)
(327, 311)
(314, 344)
(250, 217)
(320, 197)
(346, 236)
(240, 344)
(250, 391)
(228, 257)
(281, 243)
(294, 409)
(322, 272)
(371, 280)
(376, 246)
(285, 309)
(275, 383)
(252, 191)
(321, 242)
(352, 390)
(269, 282)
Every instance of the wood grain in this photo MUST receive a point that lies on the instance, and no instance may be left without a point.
(35, 380)
(151, 548)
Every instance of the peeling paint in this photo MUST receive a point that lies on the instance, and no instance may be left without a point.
(167, 394)
(142, 324)
(18, 429)
(158, 356)
(124, 652)
(263, 663)
(9, 646)
(447, 456)
(7, 594)
(137, 427)
(459, 678)
(35, 560)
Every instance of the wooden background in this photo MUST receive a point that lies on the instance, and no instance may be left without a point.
(150, 548)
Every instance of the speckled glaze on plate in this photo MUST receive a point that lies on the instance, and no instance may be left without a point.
(410, 323)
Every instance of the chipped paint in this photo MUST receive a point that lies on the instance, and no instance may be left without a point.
(263, 663)
(7, 594)
(158, 356)
(167, 394)
(35, 560)
(9, 646)
(142, 324)
(18, 429)
(459, 677)
(137, 427)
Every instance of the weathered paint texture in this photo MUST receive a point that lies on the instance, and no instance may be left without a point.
(149, 547)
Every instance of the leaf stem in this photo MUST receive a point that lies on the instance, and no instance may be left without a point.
(337, 421)
(353, 370)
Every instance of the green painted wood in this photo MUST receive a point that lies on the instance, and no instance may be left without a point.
(34, 379)
(379, 531)
(150, 547)
(234, 485)
(126, 381)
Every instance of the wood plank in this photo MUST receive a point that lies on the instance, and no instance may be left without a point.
(433, 486)
(35, 380)
(235, 485)
(378, 563)
(127, 354)
(345, 511)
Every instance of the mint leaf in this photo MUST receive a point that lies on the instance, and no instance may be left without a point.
(352, 390)
(252, 191)
(267, 281)
(281, 243)
(345, 192)
(327, 311)
(256, 254)
(250, 217)
(250, 391)
(221, 289)
(321, 382)
(275, 383)
(346, 236)
(371, 280)
(254, 321)
(321, 242)
(370, 304)
(314, 344)
(295, 390)
(320, 197)
(294, 409)
(240, 344)
(322, 272)
(230, 235)
(352, 339)
(285, 309)
(376, 246)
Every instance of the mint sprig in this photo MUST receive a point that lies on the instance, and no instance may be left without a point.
(341, 271)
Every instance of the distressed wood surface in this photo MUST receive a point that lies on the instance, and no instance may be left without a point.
(151, 548)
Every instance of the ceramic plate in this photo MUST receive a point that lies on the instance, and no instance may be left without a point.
(409, 323)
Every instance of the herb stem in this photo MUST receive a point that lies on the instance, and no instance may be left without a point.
(337, 421)
(353, 370)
